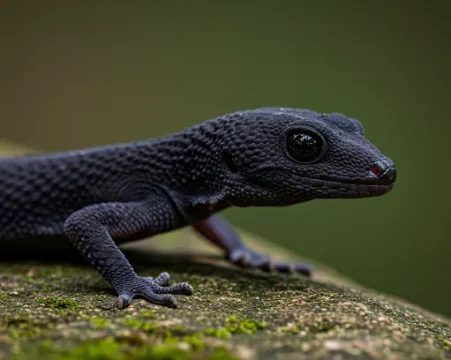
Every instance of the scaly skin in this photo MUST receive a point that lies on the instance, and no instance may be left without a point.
(98, 197)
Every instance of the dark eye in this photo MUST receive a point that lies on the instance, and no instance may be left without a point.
(305, 146)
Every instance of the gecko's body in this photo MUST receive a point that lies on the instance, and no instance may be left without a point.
(98, 197)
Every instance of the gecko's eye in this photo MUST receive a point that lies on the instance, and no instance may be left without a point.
(305, 146)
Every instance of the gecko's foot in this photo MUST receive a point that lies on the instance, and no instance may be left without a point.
(153, 290)
(249, 258)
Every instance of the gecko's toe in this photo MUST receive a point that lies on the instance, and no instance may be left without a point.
(303, 269)
(236, 256)
(162, 279)
(157, 286)
(165, 300)
(179, 289)
(249, 258)
(123, 301)
(151, 289)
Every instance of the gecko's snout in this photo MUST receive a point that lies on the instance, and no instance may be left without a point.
(385, 171)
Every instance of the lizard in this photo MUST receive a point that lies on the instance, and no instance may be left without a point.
(100, 197)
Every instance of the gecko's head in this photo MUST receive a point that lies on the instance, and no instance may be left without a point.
(282, 156)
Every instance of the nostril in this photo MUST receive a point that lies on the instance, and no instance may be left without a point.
(384, 171)
(377, 170)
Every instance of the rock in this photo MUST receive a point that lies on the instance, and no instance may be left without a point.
(54, 306)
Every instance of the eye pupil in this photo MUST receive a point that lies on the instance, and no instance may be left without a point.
(304, 147)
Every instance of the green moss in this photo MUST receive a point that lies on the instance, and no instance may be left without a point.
(146, 326)
(235, 325)
(147, 314)
(243, 326)
(220, 353)
(221, 333)
(196, 341)
(99, 322)
(23, 325)
(169, 337)
(104, 349)
(17, 319)
(447, 345)
(167, 351)
(111, 349)
(178, 330)
(56, 303)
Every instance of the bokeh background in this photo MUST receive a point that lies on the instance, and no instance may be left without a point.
(92, 73)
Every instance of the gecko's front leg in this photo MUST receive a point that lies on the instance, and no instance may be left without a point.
(220, 232)
(92, 230)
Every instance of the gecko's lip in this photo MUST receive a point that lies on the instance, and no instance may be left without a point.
(368, 181)
(356, 182)
(382, 173)
(358, 187)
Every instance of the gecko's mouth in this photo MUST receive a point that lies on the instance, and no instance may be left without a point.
(350, 189)
(382, 173)
(369, 182)
(380, 180)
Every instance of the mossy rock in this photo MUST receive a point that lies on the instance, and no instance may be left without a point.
(54, 306)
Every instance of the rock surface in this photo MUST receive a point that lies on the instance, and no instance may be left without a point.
(54, 306)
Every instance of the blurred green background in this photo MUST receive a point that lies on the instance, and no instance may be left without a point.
(94, 73)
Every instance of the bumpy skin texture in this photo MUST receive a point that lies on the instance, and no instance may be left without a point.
(98, 197)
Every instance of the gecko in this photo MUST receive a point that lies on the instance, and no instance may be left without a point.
(98, 198)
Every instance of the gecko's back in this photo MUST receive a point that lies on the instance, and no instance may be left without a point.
(38, 192)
